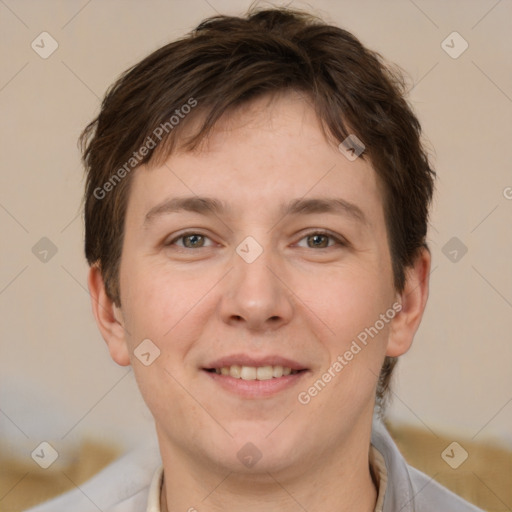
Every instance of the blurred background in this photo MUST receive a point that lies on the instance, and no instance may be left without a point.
(58, 384)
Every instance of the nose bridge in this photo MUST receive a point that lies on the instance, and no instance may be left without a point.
(254, 294)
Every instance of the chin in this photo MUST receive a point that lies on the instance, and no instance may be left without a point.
(259, 448)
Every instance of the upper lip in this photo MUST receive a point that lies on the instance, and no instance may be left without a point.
(247, 360)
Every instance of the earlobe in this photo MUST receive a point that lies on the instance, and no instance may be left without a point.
(108, 318)
(413, 300)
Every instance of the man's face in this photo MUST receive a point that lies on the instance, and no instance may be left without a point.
(288, 271)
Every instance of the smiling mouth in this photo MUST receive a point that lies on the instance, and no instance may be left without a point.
(254, 372)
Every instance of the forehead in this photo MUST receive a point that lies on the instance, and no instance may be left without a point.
(268, 152)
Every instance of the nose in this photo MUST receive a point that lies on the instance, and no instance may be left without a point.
(256, 295)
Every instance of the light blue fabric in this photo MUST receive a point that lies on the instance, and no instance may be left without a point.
(124, 485)
(410, 490)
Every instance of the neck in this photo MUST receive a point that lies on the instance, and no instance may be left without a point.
(277, 497)
(340, 481)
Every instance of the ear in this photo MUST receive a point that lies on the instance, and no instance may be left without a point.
(108, 317)
(413, 299)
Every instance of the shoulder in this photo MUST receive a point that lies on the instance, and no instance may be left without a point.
(408, 489)
(430, 496)
(123, 486)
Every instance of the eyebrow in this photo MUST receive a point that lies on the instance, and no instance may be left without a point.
(194, 204)
(212, 206)
(324, 205)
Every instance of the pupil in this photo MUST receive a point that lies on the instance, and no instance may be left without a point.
(318, 240)
(193, 240)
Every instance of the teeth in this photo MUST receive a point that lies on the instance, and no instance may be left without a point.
(248, 373)
(277, 371)
(255, 373)
(264, 373)
(235, 371)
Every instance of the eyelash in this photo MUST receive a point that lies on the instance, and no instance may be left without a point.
(338, 241)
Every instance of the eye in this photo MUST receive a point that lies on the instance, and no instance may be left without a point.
(320, 240)
(190, 240)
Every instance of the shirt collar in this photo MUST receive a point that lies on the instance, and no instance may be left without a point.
(379, 475)
(399, 494)
(155, 490)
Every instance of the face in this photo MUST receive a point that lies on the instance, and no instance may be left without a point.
(263, 255)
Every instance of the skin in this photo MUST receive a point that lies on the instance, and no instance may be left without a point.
(296, 300)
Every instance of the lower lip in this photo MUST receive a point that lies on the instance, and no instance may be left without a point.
(256, 388)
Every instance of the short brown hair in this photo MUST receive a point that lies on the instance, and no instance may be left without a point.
(227, 61)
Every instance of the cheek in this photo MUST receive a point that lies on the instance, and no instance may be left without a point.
(159, 304)
(351, 305)
(350, 300)
(162, 308)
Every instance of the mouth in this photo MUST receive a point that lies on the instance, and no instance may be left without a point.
(255, 378)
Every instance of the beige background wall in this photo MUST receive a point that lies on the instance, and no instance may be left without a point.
(57, 381)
